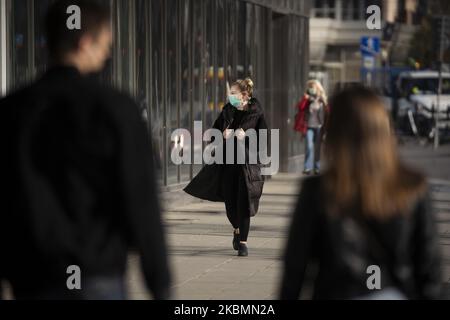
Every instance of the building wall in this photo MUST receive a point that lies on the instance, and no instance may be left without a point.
(3, 47)
(337, 27)
(175, 58)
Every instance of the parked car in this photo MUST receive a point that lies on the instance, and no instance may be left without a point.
(418, 101)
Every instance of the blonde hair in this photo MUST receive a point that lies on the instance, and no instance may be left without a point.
(321, 91)
(245, 85)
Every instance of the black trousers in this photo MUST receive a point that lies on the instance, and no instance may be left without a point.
(236, 199)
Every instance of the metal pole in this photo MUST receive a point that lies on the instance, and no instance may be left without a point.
(436, 110)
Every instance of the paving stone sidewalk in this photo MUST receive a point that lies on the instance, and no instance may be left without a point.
(205, 265)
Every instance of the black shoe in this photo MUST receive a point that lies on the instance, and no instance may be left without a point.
(236, 241)
(307, 172)
(316, 172)
(243, 250)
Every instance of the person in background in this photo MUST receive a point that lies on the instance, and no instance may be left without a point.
(368, 209)
(310, 122)
(79, 174)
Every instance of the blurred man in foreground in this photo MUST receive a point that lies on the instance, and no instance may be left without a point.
(79, 173)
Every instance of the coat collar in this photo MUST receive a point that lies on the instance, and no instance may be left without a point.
(254, 107)
(63, 70)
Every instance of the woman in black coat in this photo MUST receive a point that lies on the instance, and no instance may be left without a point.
(238, 185)
(367, 222)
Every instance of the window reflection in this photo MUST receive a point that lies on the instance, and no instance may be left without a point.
(157, 110)
(221, 55)
(175, 58)
(21, 51)
(172, 109)
(185, 85)
(198, 70)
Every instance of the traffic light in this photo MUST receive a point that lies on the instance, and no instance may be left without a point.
(388, 31)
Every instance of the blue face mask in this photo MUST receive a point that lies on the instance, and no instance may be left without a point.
(234, 101)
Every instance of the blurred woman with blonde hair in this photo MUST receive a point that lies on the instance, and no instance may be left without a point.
(310, 121)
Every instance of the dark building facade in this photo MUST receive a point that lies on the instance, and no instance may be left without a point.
(175, 58)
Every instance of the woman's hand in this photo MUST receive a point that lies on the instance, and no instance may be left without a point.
(240, 134)
(227, 134)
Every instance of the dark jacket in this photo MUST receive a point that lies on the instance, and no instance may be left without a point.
(208, 184)
(79, 186)
(343, 249)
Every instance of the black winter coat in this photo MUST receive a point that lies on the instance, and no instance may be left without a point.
(407, 250)
(208, 184)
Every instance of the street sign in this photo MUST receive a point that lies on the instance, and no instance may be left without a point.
(370, 49)
(369, 62)
(370, 46)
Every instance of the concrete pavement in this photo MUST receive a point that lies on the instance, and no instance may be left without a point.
(205, 265)
(436, 165)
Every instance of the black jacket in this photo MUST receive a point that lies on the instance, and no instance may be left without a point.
(342, 249)
(79, 185)
(208, 184)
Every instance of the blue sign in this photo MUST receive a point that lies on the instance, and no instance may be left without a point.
(370, 46)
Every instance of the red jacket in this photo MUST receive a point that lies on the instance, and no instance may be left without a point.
(300, 121)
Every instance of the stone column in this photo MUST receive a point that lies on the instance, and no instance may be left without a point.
(338, 8)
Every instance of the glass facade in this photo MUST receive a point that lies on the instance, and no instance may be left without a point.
(3, 48)
(175, 58)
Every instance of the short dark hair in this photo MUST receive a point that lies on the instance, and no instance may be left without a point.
(60, 39)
